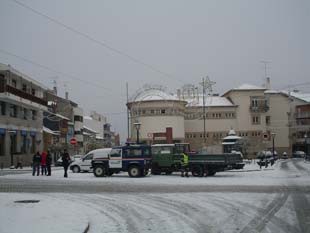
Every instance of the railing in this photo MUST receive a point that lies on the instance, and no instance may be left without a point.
(22, 94)
(259, 108)
(303, 115)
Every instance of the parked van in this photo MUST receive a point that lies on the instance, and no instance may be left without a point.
(84, 163)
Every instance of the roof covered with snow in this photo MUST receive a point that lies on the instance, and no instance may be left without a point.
(302, 96)
(210, 101)
(249, 87)
(299, 95)
(153, 94)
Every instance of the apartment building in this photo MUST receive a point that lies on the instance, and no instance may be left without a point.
(22, 104)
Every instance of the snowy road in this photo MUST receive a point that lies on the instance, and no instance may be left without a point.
(271, 200)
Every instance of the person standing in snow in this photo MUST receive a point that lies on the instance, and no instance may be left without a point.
(43, 163)
(36, 160)
(65, 162)
(184, 165)
(49, 163)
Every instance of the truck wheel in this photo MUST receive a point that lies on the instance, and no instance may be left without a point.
(75, 169)
(211, 173)
(168, 172)
(197, 171)
(99, 171)
(134, 171)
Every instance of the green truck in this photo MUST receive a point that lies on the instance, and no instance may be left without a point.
(166, 158)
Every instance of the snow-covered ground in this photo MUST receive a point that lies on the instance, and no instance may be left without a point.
(187, 212)
(286, 211)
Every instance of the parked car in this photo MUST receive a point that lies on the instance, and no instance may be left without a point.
(72, 158)
(298, 154)
(84, 163)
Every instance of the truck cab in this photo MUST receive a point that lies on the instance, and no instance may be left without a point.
(167, 157)
(134, 159)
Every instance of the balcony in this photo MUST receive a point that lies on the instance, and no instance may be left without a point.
(22, 94)
(302, 115)
(259, 108)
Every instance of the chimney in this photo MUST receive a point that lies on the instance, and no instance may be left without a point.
(268, 86)
(67, 95)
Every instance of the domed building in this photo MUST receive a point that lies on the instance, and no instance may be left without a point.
(159, 116)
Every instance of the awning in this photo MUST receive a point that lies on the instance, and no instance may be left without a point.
(47, 130)
(89, 129)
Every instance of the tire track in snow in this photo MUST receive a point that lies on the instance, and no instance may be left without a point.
(258, 223)
(251, 210)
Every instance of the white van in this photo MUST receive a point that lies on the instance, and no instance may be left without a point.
(84, 163)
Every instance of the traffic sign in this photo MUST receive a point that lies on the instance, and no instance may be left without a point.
(73, 141)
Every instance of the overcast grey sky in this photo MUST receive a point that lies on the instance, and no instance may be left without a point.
(185, 39)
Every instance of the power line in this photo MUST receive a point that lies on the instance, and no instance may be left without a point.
(53, 70)
(104, 44)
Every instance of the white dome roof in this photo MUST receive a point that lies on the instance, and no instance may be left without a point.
(153, 94)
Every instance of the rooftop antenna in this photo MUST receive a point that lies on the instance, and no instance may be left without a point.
(206, 86)
(267, 79)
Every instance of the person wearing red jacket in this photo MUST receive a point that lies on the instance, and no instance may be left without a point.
(43, 163)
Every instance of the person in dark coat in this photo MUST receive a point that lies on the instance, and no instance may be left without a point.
(49, 163)
(65, 162)
(43, 163)
(36, 160)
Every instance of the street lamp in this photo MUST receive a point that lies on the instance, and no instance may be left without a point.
(305, 136)
(273, 135)
(137, 126)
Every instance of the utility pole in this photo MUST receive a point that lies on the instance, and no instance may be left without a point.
(128, 127)
(204, 109)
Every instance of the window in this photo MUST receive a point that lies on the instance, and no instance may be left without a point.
(163, 111)
(34, 115)
(78, 118)
(255, 120)
(24, 88)
(254, 103)
(14, 84)
(115, 153)
(152, 111)
(267, 120)
(33, 91)
(132, 153)
(13, 110)
(2, 108)
(89, 157)
(25, 113)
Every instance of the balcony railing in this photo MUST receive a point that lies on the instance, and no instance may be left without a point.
(22, 94)
(303, 115)
(259, 108)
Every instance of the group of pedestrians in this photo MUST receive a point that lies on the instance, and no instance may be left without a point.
(43, 161)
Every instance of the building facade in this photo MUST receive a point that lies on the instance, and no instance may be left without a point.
(22, 103)
(257, 114)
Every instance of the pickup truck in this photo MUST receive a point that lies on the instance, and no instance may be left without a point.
(134, 159)
(167, 158)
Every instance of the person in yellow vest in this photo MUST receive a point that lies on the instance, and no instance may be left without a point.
(184, 165)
